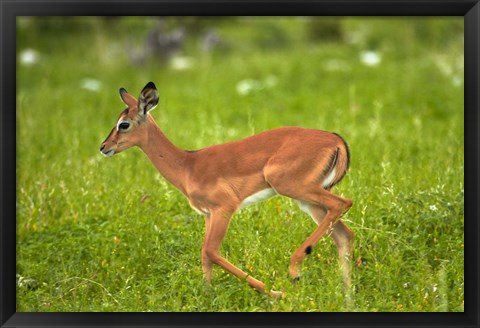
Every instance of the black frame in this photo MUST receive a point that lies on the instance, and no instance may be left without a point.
(9, 9)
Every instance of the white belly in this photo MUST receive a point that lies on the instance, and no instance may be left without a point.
(258, 197)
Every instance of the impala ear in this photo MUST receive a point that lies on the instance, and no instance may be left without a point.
(127, 99)
(148, 98)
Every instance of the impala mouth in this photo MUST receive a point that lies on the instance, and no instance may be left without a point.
(108, 153)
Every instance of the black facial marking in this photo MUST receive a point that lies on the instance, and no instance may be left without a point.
(308, 250)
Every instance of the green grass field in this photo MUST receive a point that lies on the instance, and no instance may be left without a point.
(110, 234)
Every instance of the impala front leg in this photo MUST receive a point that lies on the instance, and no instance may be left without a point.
(218, 225)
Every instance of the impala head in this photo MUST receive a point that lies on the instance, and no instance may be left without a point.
(131, 127)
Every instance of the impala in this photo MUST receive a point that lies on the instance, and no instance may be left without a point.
(303, 164)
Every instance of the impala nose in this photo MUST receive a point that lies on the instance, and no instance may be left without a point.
(102, 147)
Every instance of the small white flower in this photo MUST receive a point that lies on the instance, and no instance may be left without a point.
(91, 84)
(245, 87)
(181, 63)
(370, 58)
(29, 57)
(433, 207)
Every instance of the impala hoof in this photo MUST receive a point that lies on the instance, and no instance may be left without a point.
(296, 279)
(277, 294)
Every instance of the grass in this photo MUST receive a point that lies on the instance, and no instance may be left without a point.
(89, 240)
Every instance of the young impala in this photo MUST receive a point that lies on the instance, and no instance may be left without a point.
(303, 164)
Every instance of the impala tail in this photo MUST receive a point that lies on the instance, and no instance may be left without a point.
(338, 166)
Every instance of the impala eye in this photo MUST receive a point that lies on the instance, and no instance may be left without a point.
(123, 126)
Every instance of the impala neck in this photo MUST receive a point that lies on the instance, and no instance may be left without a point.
(167, 158)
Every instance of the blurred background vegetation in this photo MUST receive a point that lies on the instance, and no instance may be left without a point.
(96, 234)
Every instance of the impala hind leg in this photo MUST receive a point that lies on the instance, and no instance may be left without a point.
(333, 206)
(206, 263)
(218, 226)
(342, 236)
